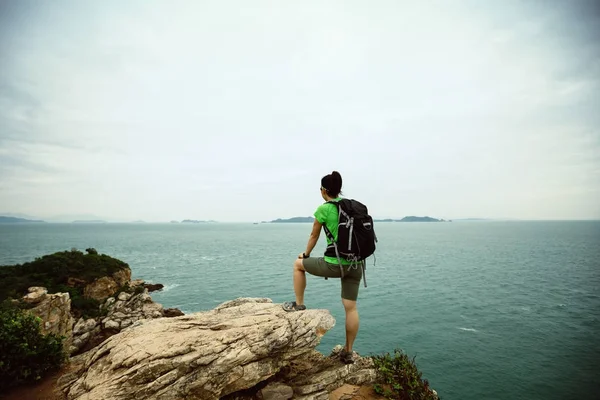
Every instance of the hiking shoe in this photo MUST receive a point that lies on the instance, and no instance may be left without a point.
(346, 357)
(292, 306)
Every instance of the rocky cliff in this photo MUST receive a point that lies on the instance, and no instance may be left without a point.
(54, 310)
(243, 349)
(117, 312)
(209, 355)
(132, 348)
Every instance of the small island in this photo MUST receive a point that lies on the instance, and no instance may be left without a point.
(195, 221)
(420, 219)
(90, 221)
(412, 218)
(293, 220)
(14, 220)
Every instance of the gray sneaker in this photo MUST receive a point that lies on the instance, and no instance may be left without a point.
(347, 357)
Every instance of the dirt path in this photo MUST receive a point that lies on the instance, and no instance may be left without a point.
(42, 390)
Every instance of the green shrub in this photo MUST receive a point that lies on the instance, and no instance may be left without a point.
(399, 378)
(25, 353)
(84, 307)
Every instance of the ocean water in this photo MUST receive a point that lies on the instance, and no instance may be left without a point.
(491, 310)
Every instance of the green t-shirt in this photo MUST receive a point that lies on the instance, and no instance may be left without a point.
(327, 214)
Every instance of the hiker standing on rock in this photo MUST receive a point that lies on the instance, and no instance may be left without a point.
(350, 240)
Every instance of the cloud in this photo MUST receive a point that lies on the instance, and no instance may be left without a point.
(153, 111)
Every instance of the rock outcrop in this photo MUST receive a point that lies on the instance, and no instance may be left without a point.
(152, 287)
(245, 349)
(107, 286)
(119, 312)
(314, 376)
(54, 311)
(35, 295)
(209, 355)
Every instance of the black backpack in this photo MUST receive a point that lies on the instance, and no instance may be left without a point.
(356, 233)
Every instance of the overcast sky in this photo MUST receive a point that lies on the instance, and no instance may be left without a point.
(234, 110)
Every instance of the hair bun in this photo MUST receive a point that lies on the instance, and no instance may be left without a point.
(337, 178)
(332, 183)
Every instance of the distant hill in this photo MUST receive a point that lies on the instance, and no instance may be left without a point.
(412, 218)
(405, 219)
(20, 215)
(294, 219)
(15, 220)
(195, 221)
(66, 218)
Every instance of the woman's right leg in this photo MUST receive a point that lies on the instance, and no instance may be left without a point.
(350, 287)
(352, 323)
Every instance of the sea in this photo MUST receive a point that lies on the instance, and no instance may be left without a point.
(490, 310)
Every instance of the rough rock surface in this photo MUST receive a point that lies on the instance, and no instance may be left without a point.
(122, 277)
(121, 312)
(172, 312)
(55, 312)
(129, 308)
(315, 376)
(152, 287)
(36, 294)
(101, 288)
(353, 392)
(276, 391)
(107, 286)
(204, 355)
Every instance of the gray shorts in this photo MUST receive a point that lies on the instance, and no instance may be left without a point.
(350, 282)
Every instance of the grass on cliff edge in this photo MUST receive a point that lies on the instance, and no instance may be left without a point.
(399, 378)
(54, 271)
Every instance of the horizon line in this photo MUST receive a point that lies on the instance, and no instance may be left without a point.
(203, 222)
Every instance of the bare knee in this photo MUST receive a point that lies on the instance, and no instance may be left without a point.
(349, 305)
(298, 266)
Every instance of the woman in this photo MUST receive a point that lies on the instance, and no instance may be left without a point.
(327, 213)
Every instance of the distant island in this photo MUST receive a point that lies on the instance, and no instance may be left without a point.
(15, 220)
(294, 219)
(194, 221)
(89, 221)
(412, 218)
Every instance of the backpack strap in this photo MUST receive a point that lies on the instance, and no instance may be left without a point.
(325, 229)
(330, 236)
